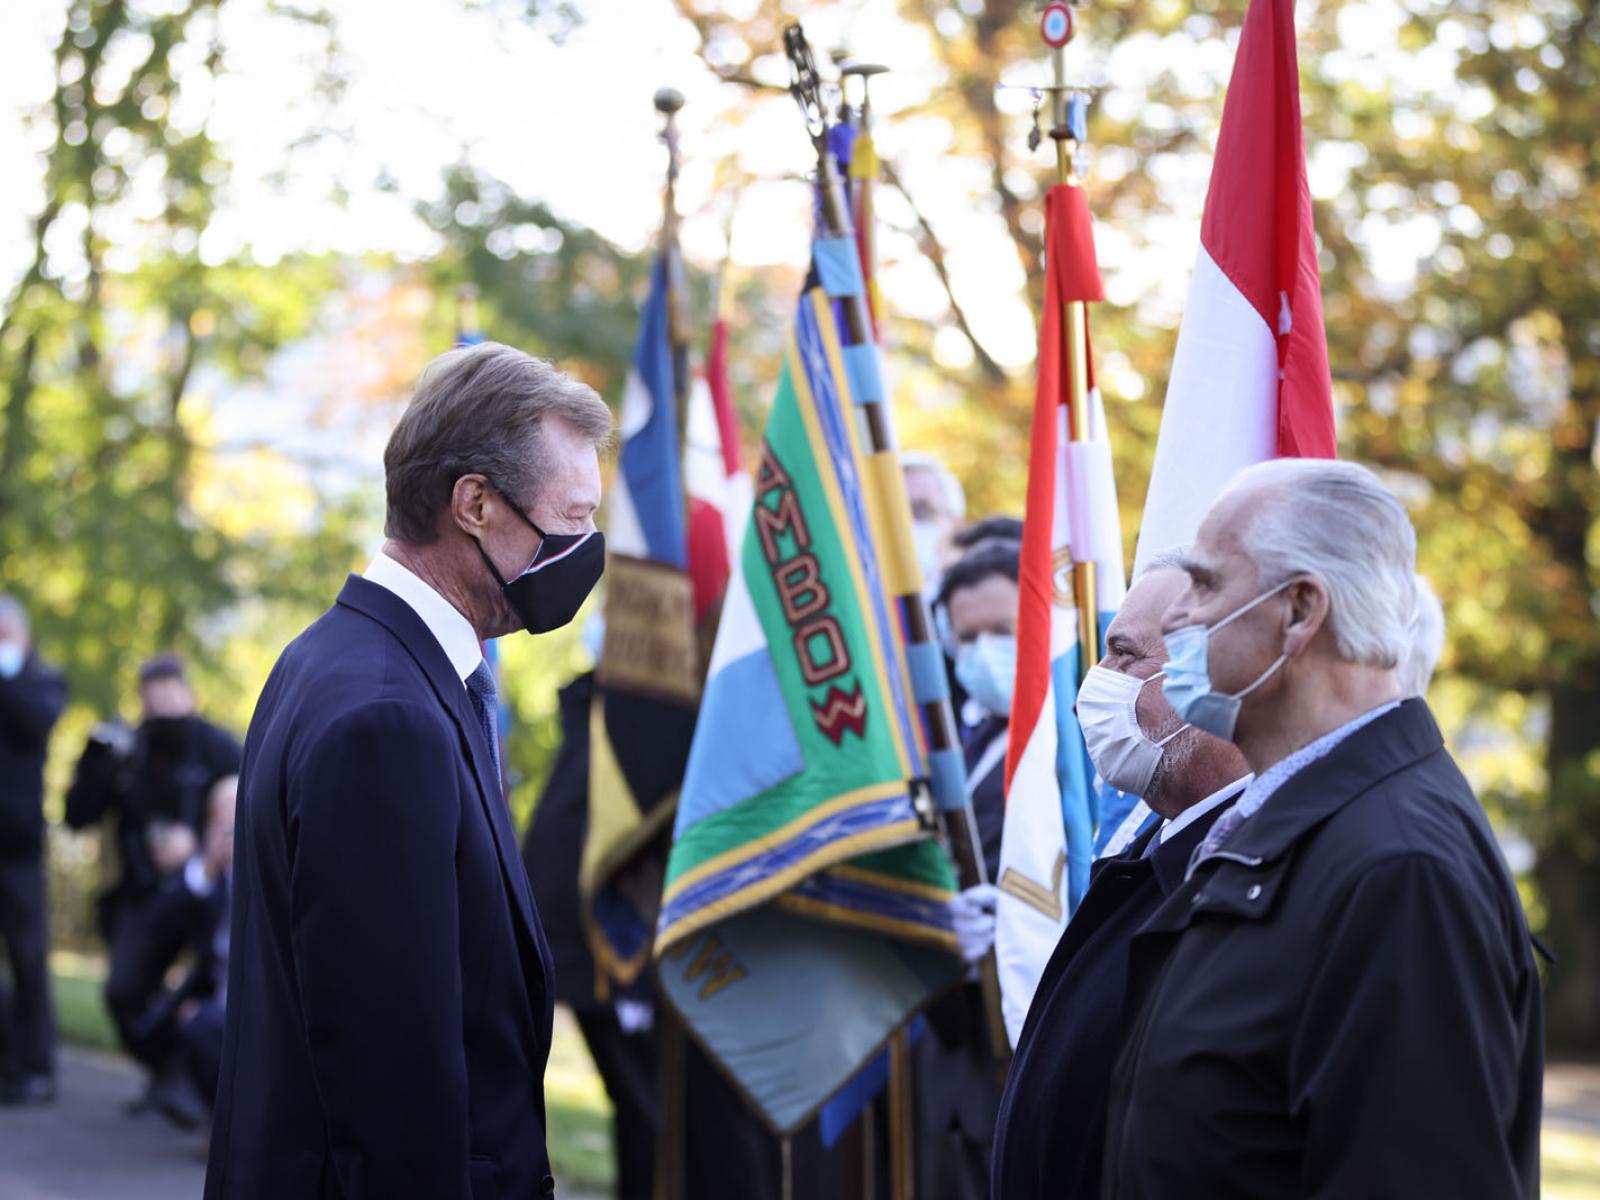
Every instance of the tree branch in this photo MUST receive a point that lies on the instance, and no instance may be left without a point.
(933, 250)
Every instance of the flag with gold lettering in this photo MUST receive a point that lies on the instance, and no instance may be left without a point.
(805, 911)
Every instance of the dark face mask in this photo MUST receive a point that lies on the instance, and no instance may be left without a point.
(564, 571)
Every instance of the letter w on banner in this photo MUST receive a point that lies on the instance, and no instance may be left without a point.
(1054, 804)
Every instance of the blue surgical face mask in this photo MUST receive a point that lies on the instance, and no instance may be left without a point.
(1188, 674)
(12, 656)
(987, 668)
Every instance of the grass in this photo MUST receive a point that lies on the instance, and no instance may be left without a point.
(580, 1114)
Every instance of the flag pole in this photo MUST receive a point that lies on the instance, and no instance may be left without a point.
(947, 785)
(671, 1130)
(1068, 113)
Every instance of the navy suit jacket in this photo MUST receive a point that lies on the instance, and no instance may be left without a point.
(389, 990)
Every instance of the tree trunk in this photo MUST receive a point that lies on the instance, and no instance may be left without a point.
(1568, 872)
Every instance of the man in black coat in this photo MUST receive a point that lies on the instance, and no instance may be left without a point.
(1050, 1135)
(153, 783)
(389, 985)
(32, 696)
(553, 853)
(1341, 998)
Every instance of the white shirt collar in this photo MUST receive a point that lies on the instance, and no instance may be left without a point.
(1195, 811)
(450, 629)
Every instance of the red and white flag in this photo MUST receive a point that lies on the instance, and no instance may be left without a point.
(1250, 377)
(718, 487)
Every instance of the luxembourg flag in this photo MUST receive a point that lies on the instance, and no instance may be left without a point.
(1053, 803)
(1250, 377)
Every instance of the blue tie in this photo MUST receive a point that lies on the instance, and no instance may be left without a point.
(481, 690)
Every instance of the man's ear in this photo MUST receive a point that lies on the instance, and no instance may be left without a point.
(1307, 613)
(470, 501)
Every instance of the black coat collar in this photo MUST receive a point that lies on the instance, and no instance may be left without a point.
(1372, 753)
(399, 618)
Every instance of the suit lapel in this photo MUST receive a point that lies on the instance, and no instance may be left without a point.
(398, 617)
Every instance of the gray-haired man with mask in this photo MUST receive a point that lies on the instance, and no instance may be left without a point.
(1340, 999)
(389, 990)
(1050, 1135)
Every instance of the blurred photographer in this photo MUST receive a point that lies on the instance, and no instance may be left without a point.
(32, 696)
(153, 782)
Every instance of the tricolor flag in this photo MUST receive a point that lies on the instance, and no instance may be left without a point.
(805, 915)
(1250, 376)
(648, 675)
(1053, 805)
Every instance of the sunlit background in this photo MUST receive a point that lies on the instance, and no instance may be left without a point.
(232, 231)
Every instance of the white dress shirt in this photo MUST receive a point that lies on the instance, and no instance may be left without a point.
(1195, 811)
(450, 629)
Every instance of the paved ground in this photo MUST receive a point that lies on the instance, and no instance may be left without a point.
(1572, 1098)
(88, 1148)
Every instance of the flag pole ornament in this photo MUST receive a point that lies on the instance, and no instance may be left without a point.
(1070, 584)
(1055, 25)
(804, 877)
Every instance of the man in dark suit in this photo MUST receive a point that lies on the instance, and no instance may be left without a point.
(1051, 1130)
(389, 986)
(32, 696)
(1340, 998)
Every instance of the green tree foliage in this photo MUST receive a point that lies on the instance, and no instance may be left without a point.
(1472, 384)
(103, 345)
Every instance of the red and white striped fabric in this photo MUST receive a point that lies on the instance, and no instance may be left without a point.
(1250, 377)
(718, 487)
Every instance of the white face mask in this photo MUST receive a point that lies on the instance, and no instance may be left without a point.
(1123, 754)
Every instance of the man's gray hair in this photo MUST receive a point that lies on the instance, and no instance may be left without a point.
(955, 496)
(1336, 521)
(479, 410)
(12, 609)
(1427, 642)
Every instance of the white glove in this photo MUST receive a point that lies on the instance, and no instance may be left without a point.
(972, 915)
(635, 1016)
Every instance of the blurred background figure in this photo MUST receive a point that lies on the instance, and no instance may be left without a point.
(32, 696)
(956, 1093)
(1427, 642)
(938, 506)
(186, 1021)
(154, 783)
(617, 1030)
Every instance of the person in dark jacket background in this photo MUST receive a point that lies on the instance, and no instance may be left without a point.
(32, 696)
(1050, 1134)
(1341, 998)
(954, 1068)
(153, 783)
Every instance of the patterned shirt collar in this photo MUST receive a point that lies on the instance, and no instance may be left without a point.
(1262, 787)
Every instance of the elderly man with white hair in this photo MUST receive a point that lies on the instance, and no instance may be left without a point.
(1341, 998)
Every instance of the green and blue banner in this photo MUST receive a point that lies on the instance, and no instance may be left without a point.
(804, 916)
